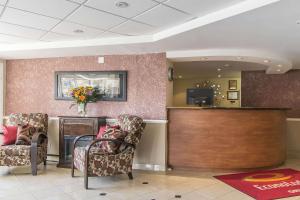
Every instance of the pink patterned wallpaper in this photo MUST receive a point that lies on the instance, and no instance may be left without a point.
(262, 90)
(30, 85)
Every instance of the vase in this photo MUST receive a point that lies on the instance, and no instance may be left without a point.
(82, 109)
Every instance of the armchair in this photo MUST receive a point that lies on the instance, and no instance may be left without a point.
(92, 160)
(26, 155)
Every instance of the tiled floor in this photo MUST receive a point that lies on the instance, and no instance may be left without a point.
(56, 184)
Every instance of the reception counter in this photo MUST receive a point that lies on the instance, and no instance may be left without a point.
(226, 138)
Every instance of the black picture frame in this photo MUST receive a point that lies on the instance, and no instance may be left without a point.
(122, 75)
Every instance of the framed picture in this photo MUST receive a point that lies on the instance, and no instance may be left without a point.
(233, 95)
(112, 85)
(232, 85)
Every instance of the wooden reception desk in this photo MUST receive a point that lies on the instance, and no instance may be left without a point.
(226, 138)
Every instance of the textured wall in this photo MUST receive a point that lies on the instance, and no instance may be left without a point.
(30, 85)
(260, 89)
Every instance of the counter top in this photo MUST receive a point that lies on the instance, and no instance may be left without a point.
(231, 108)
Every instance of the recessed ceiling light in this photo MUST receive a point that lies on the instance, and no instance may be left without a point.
(179, 76)
(219, 69)
(219, 76)
(122, 4)
(278, 70)
(226, 65)
(266, 61)
(78, 31)
(279, 65)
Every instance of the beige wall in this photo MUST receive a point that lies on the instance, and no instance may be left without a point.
(180, 86)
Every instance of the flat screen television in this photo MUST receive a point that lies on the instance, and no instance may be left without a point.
(199, 96)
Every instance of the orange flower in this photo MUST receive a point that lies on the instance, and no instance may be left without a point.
(82, 98)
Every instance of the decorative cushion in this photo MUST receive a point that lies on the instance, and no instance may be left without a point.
(9, 134)
(103, 129)
(101, 132)
(25, 134)
(112, 133)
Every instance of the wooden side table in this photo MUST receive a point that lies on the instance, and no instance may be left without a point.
(69, 128)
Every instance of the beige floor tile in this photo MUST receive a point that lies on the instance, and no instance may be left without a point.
(57, 184)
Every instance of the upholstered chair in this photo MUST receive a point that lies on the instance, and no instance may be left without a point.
(93, 160)
(27, 155)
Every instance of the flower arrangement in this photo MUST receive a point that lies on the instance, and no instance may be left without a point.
(83, 95)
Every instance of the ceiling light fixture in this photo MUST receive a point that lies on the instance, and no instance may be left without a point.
(219, 76)
(122, 4)
(279, 65)
(219, 69)
(78, 31)
(278, 70)
(266, 61)
(179, 76)
(226, 65)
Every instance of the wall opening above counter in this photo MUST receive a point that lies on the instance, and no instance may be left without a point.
(209, 83)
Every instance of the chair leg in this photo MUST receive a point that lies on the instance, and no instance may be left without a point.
(45, 162)
(33, 169)
(72, 168)
(33, 158)
(130, 175)
(86, 181)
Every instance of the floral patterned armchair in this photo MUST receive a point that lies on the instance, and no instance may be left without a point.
(25, 155)
(93, 160)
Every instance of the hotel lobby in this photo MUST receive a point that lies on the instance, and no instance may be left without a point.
(149, 99)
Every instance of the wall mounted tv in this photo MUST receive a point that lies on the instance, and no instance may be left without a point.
(200, 96)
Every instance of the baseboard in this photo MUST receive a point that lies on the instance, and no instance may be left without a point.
(150, 167)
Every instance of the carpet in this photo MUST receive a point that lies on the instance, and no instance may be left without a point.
(265, 184)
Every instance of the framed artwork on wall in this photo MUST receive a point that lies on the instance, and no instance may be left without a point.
(232, 84)
(233, 95)
(112, 85)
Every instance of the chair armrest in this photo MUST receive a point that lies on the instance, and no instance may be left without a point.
(101, 140)
(34, 147)
(37, 136)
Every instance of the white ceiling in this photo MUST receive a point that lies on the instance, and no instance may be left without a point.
(45, 28)
(56, 20)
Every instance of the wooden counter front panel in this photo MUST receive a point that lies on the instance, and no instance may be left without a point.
(226, 139)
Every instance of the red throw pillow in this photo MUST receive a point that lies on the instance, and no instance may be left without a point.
(103, 129)
(9, 134)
